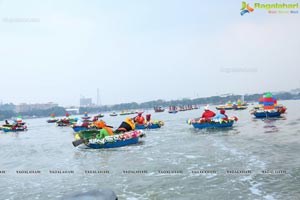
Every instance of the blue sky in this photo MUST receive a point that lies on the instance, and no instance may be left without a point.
(141, 50)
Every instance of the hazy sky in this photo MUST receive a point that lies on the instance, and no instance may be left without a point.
(138, 50)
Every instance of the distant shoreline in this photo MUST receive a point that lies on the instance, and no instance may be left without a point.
(7, 110)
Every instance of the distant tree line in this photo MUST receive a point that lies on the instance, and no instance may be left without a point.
(10, 113)
(198, 101)
(7, 111)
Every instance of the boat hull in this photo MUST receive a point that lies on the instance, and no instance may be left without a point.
(13, 130)
(52, 120)
(212, 125)
(266, 114)
(172, 111)
(119, 143)
(152, 126)
(224, 108)
(79, 128)
(241, 108)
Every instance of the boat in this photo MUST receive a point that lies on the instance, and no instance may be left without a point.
(207, 123)
(223, 107)
(182, 108)
(153, 125)
(268, 107)
(117, 143)
(266, 114)
(195, 107)
(85, 116)
(89, 139)
(79, 128)
(52, 120)
(126, 112)
(143, 126)
(233, 107)
(159, 109)
(173, 109)
(228, 106)
(64, 122)
(83, 126)
(113, 114)
(99, 115)
(239, 105)
(14, 128)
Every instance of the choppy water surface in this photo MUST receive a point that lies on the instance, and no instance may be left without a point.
(169, 163)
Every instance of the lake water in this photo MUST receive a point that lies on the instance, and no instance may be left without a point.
(256, 159)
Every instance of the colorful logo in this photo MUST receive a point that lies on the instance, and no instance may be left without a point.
(246, 8)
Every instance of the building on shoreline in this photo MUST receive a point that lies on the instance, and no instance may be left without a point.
(24, 107)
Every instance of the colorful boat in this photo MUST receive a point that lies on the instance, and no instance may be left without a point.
(118, 143)
(90, 140)
(99, 115)
(182, 108)
(52, 120)
(222, 107)
(113, 114)
(195, 107)
(204, 123)
(65, 122)
(79, 128)
(239, 105)
(84, 127)
(153, 125)
(159, 109)
(126, 112)
(14, 128)
(268, 107)
(173, 109)
(85, 116)
(213, 125)
(266, 114)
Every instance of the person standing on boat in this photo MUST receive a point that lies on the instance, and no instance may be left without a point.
(140, 120)
(207, 114)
